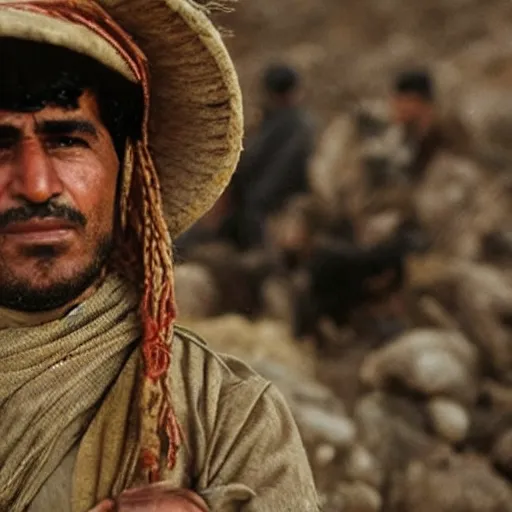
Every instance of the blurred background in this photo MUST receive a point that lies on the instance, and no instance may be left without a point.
(361, 258)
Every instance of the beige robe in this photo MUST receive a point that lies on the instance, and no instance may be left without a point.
(242, 450)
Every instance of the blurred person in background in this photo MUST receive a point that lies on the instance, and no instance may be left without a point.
(425, 131)
(273, 167)
(331, 274)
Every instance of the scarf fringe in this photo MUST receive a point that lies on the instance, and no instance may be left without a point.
(211, 6)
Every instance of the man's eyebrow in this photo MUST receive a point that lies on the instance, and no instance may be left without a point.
(67, 126)
(8, 131)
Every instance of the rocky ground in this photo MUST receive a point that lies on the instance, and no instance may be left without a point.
(423, 421)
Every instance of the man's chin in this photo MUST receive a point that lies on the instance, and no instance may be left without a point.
(48, 282)
(42, 292)
(28, 298)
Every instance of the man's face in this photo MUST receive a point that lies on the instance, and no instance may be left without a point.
(58, 176)
(409, 108)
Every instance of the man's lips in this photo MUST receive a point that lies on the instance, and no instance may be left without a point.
(36, 226)
(39, 230)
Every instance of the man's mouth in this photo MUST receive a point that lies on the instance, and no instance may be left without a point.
(39, 230)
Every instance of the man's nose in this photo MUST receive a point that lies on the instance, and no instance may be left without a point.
(35, 179)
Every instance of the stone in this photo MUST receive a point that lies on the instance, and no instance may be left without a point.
(325, 454)
(359, 497)
(489, 117)
(318, 424)
(429, 361)
(362, 466)
(501, 454)
(484, 298)
(449, 419)
(445, 202)
(450, 482)
(393, 429)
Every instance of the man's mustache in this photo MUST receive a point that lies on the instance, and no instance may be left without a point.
(42, 211)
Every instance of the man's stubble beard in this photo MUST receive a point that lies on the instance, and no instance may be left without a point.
(22, 295)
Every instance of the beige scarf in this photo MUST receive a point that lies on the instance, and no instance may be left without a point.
(52, 378)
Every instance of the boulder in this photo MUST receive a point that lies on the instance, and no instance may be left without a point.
(394, 430)
(359, 497)
(487, 426)
(448, 483)
(484, 297)
(324, 454)
(450, 420)
(488, 115)
(362, 466)
(459, 203)
(501, 454)
(317, 424)
(497, 395)
(429, 361)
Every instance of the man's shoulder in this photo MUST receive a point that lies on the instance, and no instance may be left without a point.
(202, 368)
(215, 395)
(239, 433)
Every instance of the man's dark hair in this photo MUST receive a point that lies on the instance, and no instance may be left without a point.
(280, 79)
(37, 75)
(415, 82)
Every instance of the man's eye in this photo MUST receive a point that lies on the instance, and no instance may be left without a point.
(66, 142)
(7, 143)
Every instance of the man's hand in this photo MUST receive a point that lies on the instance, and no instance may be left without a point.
(105, 506)
(154, 498)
